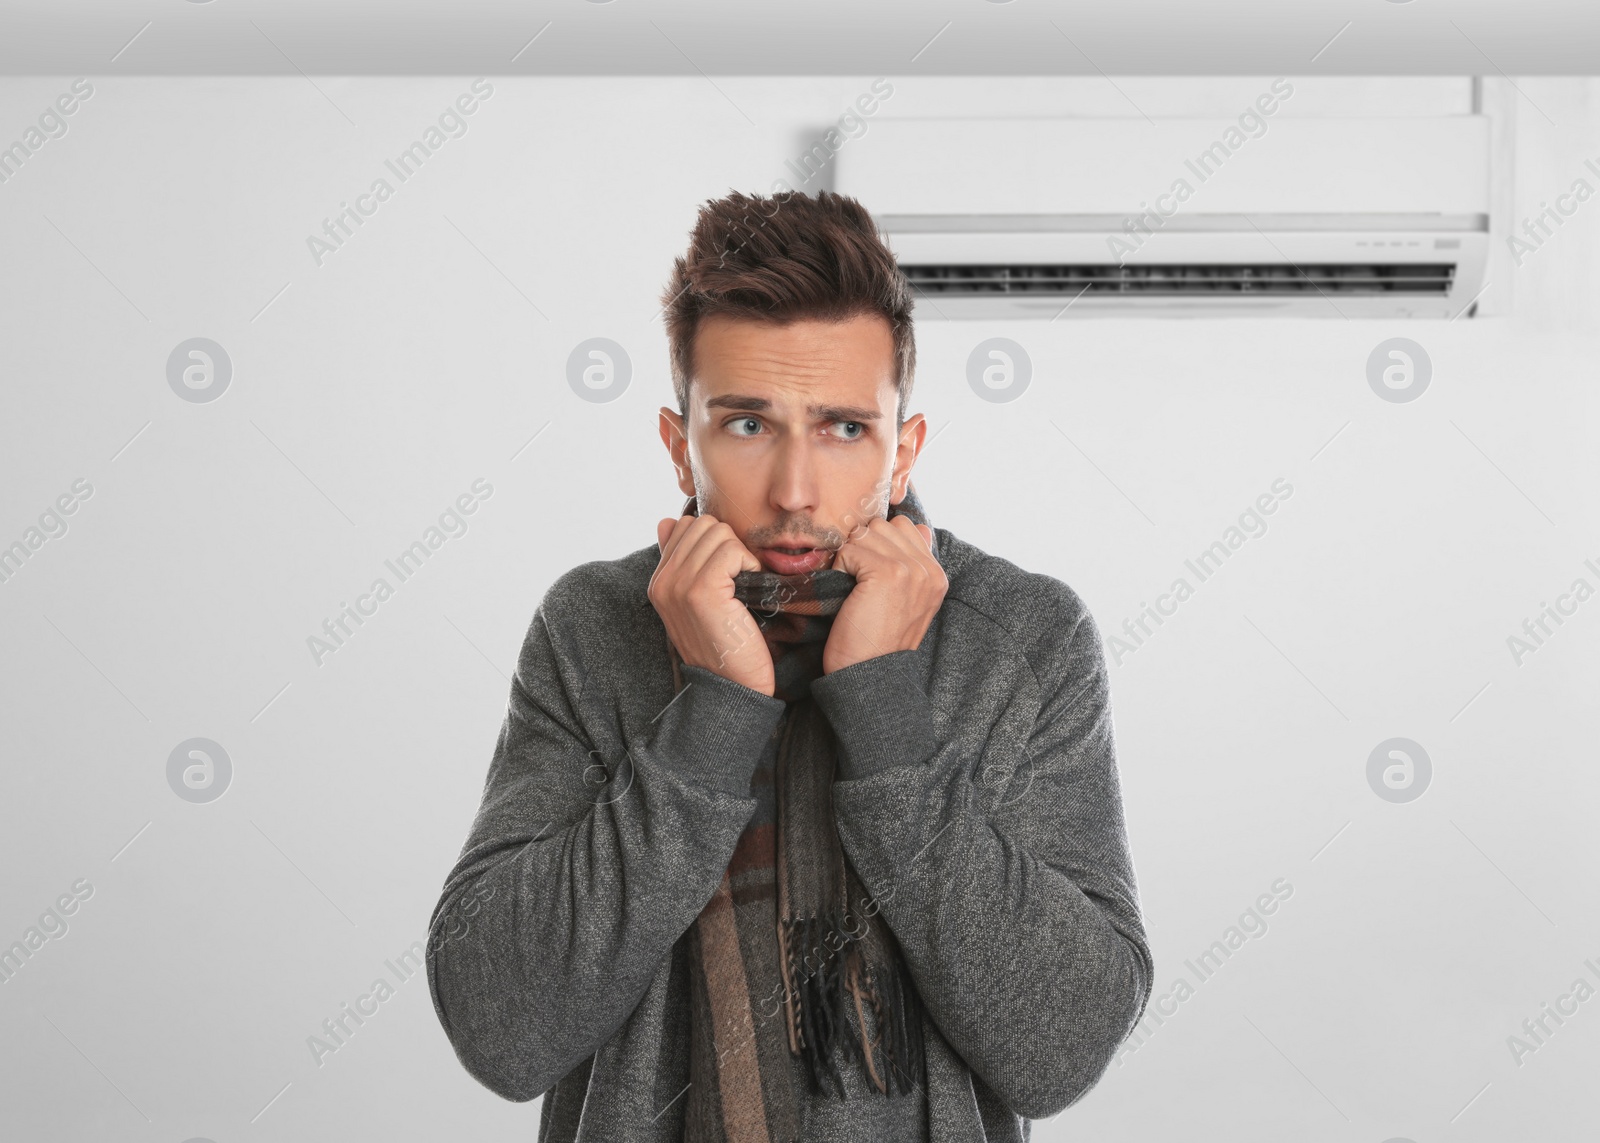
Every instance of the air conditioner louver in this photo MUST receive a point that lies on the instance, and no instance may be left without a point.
(1366, 279)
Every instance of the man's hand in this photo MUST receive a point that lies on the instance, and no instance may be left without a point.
(692, 591)
(899, 588)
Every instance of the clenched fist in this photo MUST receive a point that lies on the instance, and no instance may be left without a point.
(900, 587)
(692, 591)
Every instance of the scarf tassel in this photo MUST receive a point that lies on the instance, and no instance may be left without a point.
(822, 998)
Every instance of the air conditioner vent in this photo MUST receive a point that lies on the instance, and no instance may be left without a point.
(999, 219)
(1262, 279)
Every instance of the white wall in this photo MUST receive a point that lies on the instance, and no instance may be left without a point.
(372, 390)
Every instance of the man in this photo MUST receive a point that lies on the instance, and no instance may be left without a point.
(805, 821)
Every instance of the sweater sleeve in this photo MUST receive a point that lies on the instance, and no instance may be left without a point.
(1015, 907)
(584, 865)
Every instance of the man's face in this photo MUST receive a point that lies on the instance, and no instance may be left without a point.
(790, 436)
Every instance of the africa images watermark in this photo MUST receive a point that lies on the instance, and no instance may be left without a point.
(1252, 523)
(1542, 227)
(851, 126)
(451, 124)
(1252, 125)
(52, 125)
(1252, 924)
(336, 1029)
(824, 949)
(452, 525)
(51, 526)
(1537, 1029)
(598, 369)
(1539, 629)
(51, 926)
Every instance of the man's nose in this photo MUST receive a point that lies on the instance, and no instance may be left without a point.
(794, 483)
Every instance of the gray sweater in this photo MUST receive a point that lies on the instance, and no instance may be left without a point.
(977, 797)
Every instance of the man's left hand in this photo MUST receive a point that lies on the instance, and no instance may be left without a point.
(899, 588)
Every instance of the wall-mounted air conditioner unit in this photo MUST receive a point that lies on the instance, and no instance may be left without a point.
(1040, 218)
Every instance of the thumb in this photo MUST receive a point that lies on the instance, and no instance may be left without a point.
(927, 533)
(664, 529)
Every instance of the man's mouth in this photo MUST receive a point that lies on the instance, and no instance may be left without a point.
(787, 560)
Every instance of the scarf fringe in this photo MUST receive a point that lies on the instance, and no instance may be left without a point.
(830, 984)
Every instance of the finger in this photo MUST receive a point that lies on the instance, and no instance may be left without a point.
(918, 538)
(718, 548)
(714, 550)
(895, 540)
(680, 548)
(669, 537)
(910, 538)
(739, 558)
(679, 554)
(872, 545)
(677, 532)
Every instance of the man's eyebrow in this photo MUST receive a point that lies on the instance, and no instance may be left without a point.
(822, 412)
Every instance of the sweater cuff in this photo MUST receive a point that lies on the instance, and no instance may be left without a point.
(716, 730)
(879, 714)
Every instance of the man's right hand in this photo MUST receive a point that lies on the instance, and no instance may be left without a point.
(692, 591)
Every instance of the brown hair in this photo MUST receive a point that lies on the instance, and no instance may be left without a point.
(782, 257)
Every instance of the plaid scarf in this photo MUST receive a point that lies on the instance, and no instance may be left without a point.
(791, 943)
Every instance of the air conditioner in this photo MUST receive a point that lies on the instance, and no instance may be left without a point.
(1311, 217)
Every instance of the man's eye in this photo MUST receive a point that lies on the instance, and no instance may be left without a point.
(743, 423)
(852, 429)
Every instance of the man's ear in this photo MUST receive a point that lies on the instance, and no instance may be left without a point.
(912, 434)
(675, 436)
